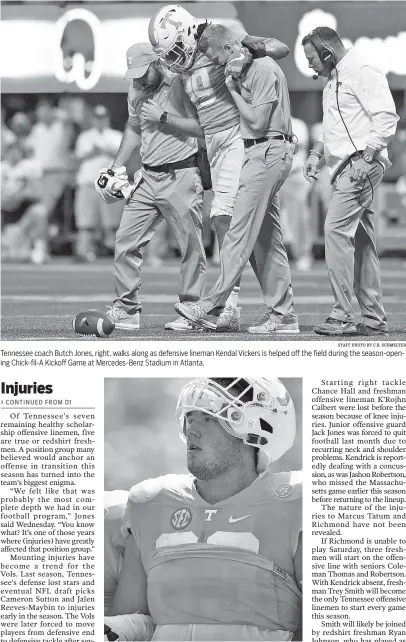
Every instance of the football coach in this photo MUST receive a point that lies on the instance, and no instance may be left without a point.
(359, 119)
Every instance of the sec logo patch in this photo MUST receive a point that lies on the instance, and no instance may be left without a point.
(283, 490)
(181, 519)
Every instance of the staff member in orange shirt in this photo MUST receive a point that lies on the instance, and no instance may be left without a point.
(168, 186)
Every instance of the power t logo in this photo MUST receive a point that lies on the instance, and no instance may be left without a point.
(78, 48)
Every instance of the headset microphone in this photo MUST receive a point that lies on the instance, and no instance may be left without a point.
(326, 60)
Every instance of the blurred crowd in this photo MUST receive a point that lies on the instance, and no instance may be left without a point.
(52, 153)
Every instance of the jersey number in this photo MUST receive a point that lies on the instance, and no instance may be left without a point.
(219, 538)
(199, 88)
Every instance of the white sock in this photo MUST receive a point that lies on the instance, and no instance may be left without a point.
(233, 298)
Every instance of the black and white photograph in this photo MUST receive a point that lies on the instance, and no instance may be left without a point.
(203, 171)
(203, 508)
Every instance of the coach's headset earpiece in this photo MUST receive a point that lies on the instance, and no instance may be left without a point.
(326, 54)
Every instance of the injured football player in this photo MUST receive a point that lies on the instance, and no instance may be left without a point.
(216, 554)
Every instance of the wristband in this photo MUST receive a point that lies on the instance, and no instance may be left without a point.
(313, 151)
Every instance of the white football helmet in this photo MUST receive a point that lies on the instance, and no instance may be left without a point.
(267, 421)
(172, 33)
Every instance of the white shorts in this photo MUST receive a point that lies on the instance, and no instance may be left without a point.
(225, 151)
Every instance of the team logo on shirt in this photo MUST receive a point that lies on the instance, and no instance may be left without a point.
(181, 519)
(283, 490)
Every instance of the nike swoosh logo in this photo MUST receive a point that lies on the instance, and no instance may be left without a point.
(233, 520)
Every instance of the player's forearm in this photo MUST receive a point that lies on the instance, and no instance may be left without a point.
(130, 141)
(318, 149)
(247, 112)
(275, 48)
(261, 47)
(189, 126)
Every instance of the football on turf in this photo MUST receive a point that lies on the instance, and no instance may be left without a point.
(93, 322)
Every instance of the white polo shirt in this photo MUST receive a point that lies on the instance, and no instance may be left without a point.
(50, 144)
(366, 106)
(107, 140)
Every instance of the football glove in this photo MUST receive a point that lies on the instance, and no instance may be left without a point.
(132, 626)
(113, 186)
(256, 49)
(238, 63)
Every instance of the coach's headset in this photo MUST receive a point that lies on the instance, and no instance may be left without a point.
(326, 54)
(328, 57)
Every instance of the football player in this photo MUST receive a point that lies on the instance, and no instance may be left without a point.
(114, 543)
(216, 555)
(174, 34)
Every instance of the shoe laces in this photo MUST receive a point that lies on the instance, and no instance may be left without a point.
(195, 308)
(336, 322)
(184, 322)
(115, 313)
(229, 312)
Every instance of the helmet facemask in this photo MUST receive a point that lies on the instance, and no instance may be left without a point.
(266, 421)
(180, 57)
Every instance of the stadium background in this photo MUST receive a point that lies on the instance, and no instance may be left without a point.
(39, 302)
(101, 31)
(141, 432)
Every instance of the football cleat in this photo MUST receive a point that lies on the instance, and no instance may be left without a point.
(122, 319)
(181, 325)
(229, 320)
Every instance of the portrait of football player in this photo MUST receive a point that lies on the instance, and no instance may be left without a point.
(213, 552)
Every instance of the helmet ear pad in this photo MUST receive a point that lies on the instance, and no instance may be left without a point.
(327, 55)
(325, 52)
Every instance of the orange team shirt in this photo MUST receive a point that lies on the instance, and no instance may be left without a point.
(160, 143)
(205, 85)
(224, 564)
(265, 82)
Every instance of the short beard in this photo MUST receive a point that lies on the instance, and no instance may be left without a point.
(207, 471)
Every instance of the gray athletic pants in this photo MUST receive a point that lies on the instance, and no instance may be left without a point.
(351, 254)
(177, 197)
(255, 233)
